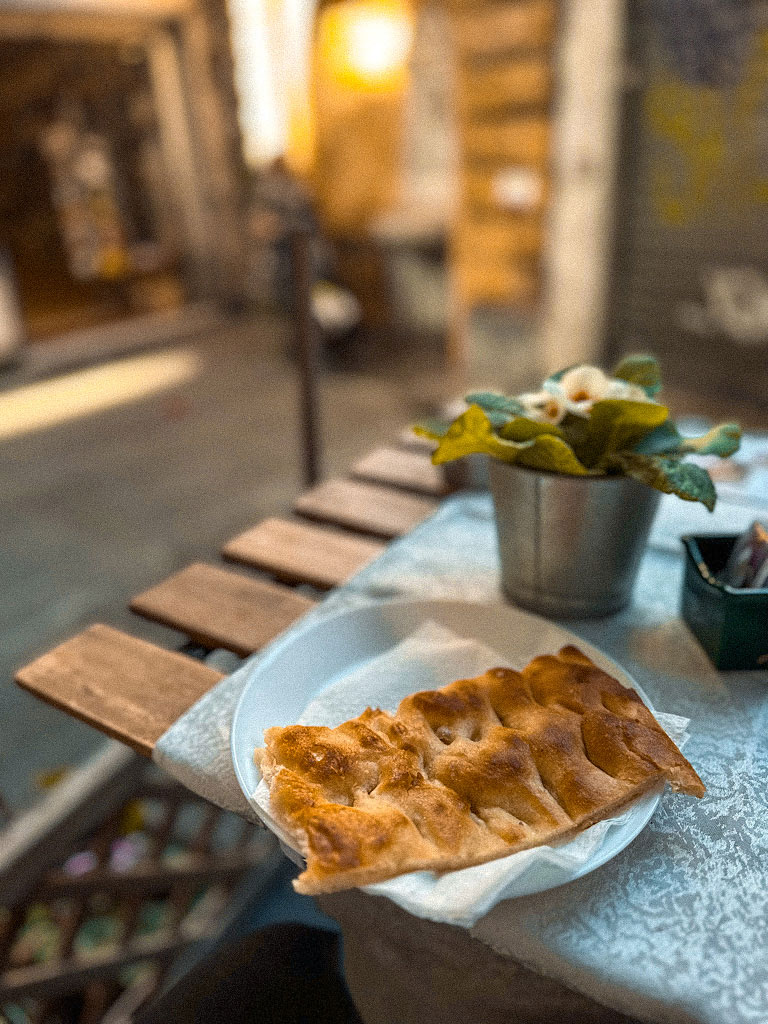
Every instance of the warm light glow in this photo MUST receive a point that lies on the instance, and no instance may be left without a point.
(378, 43)
(363, 45)
(263, 136)
(57, 401)
(366, 43)
(271, 42)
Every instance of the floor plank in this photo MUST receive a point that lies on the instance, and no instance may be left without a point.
(218, 608)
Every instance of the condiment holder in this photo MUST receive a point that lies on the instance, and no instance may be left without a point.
(730, 623)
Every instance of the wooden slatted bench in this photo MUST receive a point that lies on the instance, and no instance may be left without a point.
(133, 690)
(486, 30)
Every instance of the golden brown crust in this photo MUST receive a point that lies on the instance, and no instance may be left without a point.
(462, 775)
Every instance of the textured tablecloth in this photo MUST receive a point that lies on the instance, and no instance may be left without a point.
(675, 928)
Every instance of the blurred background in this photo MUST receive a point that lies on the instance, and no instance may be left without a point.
(481, 179)
(465, 192)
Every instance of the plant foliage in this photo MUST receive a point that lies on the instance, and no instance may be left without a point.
(585, 423)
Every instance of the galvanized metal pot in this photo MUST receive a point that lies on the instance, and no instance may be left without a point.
(470, 473)
(570, 546)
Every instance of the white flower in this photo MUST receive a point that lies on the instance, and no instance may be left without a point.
(582, 386)
(544, 406)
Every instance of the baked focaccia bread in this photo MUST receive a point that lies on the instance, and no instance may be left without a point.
(462, 775)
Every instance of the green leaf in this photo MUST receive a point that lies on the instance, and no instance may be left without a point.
(615, 425)
(722, 440)
(522, 429)
(664, 440)
(498, 419)
(472, 433)
(541, 447)
(431, 428)
(553, 454)
(643, 370)
(492, 401)
(685, 479)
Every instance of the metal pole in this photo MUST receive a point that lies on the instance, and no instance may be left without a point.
(307, 352)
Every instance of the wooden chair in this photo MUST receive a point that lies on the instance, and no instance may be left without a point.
(74, 866)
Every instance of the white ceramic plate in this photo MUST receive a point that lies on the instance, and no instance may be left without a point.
(306, 661)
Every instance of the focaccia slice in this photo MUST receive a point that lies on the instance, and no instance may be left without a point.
(468, 773)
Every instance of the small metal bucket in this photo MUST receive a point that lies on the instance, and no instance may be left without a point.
(469, 473)
(570, 546)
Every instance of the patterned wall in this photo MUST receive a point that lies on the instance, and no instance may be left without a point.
(691, 277)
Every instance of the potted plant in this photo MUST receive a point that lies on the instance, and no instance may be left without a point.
(576, 472)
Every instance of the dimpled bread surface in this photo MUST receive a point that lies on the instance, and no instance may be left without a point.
(468, 773)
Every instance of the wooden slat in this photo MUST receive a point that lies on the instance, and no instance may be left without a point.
(126, 688)
(523, 82)
(413, 471)
(218, 608)
(409, 441)
(480, 281)
(498, 238)
(484, 30)
(368, 508)
(152, 876)
(62, 977)
(515, 140)
(300, 553)
(480, 191)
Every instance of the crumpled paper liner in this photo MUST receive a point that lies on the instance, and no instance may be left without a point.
(430, 658)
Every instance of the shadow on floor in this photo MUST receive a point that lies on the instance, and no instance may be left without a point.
(285, 973)
(279, 964)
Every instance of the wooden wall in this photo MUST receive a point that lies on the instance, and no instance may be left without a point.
(504, 68)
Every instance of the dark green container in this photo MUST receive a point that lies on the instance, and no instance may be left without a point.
(730, 623)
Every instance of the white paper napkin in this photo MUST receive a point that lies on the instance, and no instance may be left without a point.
(430, 658)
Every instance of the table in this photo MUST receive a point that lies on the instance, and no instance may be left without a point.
(399, 967)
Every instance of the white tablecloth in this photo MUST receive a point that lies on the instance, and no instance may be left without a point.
(676, 927)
